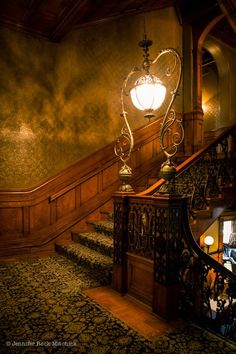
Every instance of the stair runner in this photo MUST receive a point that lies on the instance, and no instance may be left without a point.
(93, 250)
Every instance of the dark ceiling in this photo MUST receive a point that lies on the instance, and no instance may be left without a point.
(53, 19)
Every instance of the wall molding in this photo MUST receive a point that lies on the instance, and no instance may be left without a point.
(32, 220)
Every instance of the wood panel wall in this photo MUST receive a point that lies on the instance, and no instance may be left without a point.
(140, 278)
(31, 221)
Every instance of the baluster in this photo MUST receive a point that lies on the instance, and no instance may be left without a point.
(208, 293)
(212, 187)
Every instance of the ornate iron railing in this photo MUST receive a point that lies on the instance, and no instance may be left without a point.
(205, 173)
(207, 289)
(157, 227)
(205, 179)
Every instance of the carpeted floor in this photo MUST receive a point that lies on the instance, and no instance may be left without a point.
(43, 310)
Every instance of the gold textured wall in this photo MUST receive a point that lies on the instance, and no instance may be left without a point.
(59, 102)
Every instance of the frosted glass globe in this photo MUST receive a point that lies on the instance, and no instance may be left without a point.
(148, 93)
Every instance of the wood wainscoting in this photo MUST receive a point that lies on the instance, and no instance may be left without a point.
(140, 278)
(31, 221)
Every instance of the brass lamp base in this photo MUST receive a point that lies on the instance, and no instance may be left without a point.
(149, 114)
(125, 175)
(168, 171)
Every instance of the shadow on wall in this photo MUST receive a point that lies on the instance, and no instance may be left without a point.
(60, 102)
(44, 126)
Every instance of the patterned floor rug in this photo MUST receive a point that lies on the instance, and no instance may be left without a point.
(43, 310)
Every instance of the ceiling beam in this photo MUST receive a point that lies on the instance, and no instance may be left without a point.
(228, 7)
(68, 17)
(192, 11)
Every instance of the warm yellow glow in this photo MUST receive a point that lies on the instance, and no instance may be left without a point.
(204, 108)
(209, 240)
(148, 93)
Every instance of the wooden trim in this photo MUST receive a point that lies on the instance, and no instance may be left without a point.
(195, 157)
(140, 278)
(68, 17)
(26, 218)
(45, 212)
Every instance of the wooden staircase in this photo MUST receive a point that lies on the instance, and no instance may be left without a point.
(156, 256)
(92, 249)
(91, 243)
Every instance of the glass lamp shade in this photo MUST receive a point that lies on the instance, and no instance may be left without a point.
(208, 240)
(148, 93)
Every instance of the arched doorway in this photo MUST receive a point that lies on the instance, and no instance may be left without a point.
(215, 85)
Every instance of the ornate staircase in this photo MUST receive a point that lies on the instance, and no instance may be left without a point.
(156, 256)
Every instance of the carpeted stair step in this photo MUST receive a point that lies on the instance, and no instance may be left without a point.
(104, 226)
(89, 258)
(95, 241)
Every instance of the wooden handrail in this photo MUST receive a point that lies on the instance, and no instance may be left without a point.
(191, 160)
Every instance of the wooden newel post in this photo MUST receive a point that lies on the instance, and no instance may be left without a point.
(119, 275)
(168, 246)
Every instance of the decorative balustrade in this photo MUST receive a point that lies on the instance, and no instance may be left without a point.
(154, 244)
(207, 289)
(205, 179)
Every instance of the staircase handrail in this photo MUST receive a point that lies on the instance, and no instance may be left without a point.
(190, 161)
(207, 289)
(208, 286)
(199, 252)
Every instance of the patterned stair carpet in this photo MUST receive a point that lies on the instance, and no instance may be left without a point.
(43, 310)
(93, 250)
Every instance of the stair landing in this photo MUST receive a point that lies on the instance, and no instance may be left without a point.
(134, 313)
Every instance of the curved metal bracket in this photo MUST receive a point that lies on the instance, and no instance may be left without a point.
(124, 144)
(170, 119)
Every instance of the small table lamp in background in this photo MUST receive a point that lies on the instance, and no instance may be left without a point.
(208, 240)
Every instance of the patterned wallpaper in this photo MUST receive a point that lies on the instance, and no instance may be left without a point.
(59, 102)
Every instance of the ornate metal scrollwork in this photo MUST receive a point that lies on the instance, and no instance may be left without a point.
(205, 179)
(168, 245)
(119, 240)
(141, 228)
(124, 144)
(170, 118)
(207, 295)
(158, 230)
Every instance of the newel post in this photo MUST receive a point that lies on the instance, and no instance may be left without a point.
(119, 274)
(168, 247)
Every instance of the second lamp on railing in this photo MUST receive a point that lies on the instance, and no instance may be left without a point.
(147, 93)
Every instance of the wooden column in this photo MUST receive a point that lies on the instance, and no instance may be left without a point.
(168, 248)
(194, 131)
